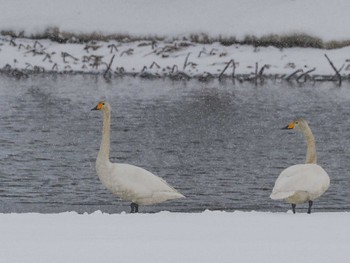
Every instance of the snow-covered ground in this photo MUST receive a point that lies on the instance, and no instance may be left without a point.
(167, 58)
(174, 21)
(175, 237)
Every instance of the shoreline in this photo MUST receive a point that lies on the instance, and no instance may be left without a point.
(176, 60)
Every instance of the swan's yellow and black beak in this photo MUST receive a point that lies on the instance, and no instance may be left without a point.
(99, 106)
(290, 126)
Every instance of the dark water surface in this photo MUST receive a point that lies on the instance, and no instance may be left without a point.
(219, 144)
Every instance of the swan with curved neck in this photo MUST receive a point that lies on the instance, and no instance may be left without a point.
(129, 182)
(302, 183)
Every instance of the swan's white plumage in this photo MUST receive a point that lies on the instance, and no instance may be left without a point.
(129, 182)
(135, 184)
(300, 183)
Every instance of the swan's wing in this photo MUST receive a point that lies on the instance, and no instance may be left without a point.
(310, 178)
(141, 186)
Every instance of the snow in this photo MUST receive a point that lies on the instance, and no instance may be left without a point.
(175, 237)
(165, 59)
(173, 19)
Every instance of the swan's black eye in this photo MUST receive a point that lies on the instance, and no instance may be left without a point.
(296, 122)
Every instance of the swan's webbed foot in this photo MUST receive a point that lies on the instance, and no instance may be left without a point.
(134, 208)
(293, 208)
(310, 205)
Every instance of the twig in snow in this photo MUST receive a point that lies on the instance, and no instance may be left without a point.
(293, 74)
(113, 46)
(305, 74)
(109, 67)
(154, 44)
(97, 61)
(261, 71)
(212, 52)
(28, 65)
(227, 65)
(335, 69)
(54, 67)
(202, 52)
(47, 56)
(93, 47)
(129, 52)
(256, 73)
(65, 54)
(12, 43)
(37, 43)
(20, 46)
(185, 64)
(154, 64)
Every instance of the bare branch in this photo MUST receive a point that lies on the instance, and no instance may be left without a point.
(154, 64)
(113, 46)
(129, 52)
(335, 69)
(37, 43)
(185, 64)
(293, 74)
(227, 65)
(261, 71)
(305, 74)
(109, 67)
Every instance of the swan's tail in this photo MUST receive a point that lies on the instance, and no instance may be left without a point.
(159, 197)
(171, 195)
(281, 195)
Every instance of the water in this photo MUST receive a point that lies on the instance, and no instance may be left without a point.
(220, 144)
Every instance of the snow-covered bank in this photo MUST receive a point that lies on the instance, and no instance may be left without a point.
(175, 237)
(158, 59)
(187, 31)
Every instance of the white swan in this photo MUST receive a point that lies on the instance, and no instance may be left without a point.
(302, 182)
(126, 181)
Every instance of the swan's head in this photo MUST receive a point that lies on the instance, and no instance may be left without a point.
(298, 124)
(102, 105)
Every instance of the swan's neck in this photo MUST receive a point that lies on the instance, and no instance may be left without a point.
(311, 147)
(103, 154)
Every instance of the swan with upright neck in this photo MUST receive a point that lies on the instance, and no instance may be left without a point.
(129, 182)
(302, 183)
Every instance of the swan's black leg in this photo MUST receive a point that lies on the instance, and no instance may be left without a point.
(293, 208)
(134, 208)
(310, 205)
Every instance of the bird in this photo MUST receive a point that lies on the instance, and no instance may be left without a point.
(302, 183)
(129, 182)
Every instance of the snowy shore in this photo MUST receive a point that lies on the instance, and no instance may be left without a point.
(152, 42)
(175, 237)
(175, 59)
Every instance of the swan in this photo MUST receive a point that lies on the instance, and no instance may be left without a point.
(129, 182)
(302, 183)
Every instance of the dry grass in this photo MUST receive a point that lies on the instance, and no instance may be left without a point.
(279, 41)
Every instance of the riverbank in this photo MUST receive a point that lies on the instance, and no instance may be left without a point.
(174, 59)
(241, 40)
